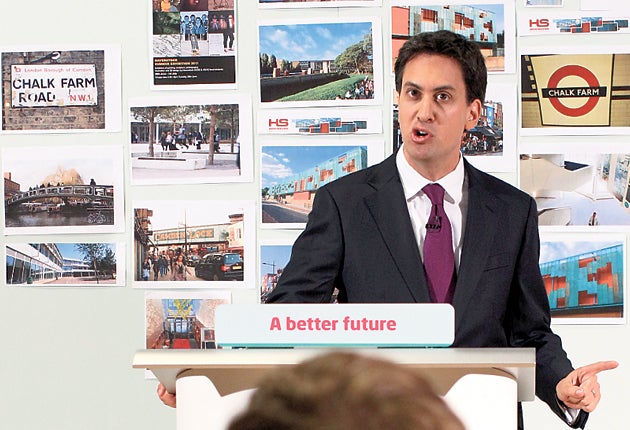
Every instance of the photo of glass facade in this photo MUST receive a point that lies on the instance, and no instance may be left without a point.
(586, 285)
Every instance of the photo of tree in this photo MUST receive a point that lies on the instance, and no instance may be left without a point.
(322, 63)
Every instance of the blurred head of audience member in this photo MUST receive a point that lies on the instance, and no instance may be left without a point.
(345, 391)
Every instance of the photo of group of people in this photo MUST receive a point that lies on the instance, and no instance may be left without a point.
(201, 33)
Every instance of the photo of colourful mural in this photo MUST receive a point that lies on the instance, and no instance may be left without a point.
(584, 279)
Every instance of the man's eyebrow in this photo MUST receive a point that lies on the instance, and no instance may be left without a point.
(435, 89)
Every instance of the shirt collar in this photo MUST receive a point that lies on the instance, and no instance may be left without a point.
(413, 182)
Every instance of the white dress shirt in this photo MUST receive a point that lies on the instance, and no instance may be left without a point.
(455, 205)
(419, 205)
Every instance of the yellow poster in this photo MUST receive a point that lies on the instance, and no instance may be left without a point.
(572, 90)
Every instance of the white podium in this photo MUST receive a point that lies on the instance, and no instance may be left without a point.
(481, 385)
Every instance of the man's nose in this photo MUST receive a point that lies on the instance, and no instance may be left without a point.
(425, 110)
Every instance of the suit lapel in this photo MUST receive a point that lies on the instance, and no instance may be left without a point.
(478, 237)
(389, 210)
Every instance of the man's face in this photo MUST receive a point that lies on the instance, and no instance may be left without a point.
(433, 113)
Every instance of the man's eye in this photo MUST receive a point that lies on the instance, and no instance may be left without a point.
(442, 97)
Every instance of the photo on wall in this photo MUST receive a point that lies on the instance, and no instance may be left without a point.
(194, 44)
(320, 122)
(585, 190)
(487, 22)
(316, 3)
(181, 320)
(65, 189)
(574, 25)
(584, 276)
(567, 91)
(292, 174)
(193, 244)
(320, 63)
(274, 256)
(188, 140)
(65, 264)
(61, 89)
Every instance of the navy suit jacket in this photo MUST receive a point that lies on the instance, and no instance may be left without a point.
(359, 239)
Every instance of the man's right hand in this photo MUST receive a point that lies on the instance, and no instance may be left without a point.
(167, 398)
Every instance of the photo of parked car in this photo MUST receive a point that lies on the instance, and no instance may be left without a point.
(220, 267)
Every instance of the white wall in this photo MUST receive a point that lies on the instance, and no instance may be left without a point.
(65, 354)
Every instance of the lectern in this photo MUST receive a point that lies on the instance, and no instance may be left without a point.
(482, 385)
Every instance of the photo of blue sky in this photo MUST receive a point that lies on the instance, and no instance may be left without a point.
(558, 250)
(498, 10)
(69, 250)
(274, 257)
(319, 41)
(279, 162)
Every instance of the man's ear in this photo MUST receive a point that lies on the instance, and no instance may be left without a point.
(474, 112)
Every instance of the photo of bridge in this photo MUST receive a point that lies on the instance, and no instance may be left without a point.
(60, 190)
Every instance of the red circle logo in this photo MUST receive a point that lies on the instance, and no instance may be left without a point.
(573, 70)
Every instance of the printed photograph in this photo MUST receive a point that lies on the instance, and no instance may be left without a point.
(54, 90)
(574, 93)
(274, 255)
(292, 174)
(317, 122)
(316, 3)
(194, 44)
(584, 278)
(91, 264)
(181, 320)
(193, 244)
(571, 23)
(175, 141)
(69, 189)
(588, 190)
(487, 22)
(326, 63)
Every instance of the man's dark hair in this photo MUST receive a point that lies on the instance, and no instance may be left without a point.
(465, 52)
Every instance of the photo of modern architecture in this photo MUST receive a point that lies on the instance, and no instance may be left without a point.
(55, 264)
(483, 23)
(291, 175)
(584, 279)
(578, 189)
(332, 62)
(181, 322)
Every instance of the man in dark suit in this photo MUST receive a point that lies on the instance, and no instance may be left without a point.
(365, 233)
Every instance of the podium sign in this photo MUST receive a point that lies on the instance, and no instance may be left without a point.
(347, 325)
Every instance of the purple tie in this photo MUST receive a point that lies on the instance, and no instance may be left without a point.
(439, 260)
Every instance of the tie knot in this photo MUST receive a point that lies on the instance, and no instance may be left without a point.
(435, 192)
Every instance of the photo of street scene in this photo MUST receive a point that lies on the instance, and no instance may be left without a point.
(584, 278)
(91, 264)
(63, 189)
(273, 258)
(481, 21)
(176, 141)
(320, 63)
(292, 174)
(181, 321)
(181, 244)
(589, 190)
